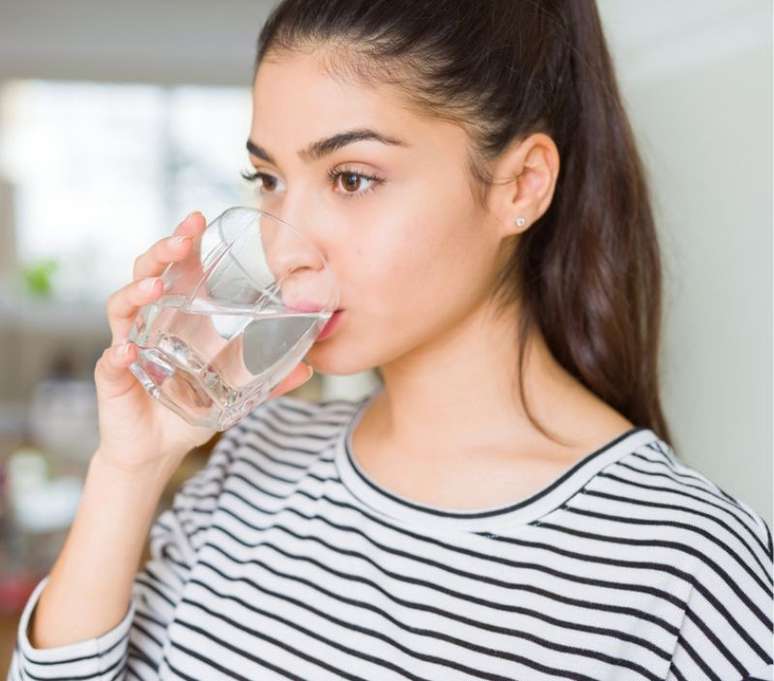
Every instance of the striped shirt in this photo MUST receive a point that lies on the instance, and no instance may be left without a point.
(281, 559)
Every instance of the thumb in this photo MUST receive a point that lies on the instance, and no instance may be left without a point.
(300, 375)
(111, 374)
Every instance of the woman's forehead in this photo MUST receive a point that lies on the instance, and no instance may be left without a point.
(297, 104)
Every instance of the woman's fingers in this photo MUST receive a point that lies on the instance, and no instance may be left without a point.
(300, 375)
(122, 306)
(171, 249)
(111, 373)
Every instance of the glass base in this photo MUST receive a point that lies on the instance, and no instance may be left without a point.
(184, 393)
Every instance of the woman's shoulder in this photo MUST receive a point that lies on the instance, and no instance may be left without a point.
(265, 454)
(269, 450)
(285, 431)
(653, 485)
(712, 540)
(300, 416)
(658, 465)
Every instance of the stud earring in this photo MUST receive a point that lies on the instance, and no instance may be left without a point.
(520, 221)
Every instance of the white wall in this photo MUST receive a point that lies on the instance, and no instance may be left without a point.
(697, 78)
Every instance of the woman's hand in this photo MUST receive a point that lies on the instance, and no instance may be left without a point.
(137, 432)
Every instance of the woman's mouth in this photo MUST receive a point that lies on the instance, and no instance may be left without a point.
(330, 326)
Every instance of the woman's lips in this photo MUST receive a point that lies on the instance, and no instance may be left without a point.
(330, 325)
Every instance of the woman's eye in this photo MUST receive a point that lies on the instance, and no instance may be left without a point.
(352, 183)
(267, 182)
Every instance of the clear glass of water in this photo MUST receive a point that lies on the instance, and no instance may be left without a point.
(236, 316)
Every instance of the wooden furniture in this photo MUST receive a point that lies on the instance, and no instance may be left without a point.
(8, 624)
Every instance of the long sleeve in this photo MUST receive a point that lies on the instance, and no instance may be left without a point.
(134, 648)
(726, 632)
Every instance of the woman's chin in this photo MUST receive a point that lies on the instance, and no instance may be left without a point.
(331, 356)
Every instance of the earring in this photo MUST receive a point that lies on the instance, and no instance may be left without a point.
(520, 221)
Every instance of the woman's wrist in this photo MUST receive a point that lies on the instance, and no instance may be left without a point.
(151, 475)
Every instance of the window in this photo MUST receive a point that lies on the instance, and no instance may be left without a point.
(98, 171)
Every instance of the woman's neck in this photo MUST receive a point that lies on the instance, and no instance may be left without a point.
(454, 405)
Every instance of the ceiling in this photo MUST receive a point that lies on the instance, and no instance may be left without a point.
(189, 41)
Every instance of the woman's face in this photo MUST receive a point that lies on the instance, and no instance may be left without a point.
(397, 222)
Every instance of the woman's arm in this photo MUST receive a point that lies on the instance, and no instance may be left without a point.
(93, 574)
(120, 617)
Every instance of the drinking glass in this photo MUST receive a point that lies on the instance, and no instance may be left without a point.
(236, 316)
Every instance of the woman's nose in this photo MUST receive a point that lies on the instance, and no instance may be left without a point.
(288, 232)
(297, 264)
(286, 249)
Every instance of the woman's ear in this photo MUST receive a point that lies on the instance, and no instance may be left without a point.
(525, 179)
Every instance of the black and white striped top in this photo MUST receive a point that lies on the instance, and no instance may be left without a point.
(282, 560)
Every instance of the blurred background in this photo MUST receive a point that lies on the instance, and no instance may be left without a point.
(117, 119)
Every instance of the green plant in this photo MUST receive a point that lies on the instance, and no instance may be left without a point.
(37, 277)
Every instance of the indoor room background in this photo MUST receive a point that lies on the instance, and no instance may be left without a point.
(117, 119)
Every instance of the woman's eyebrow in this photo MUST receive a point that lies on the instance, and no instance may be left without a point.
(328, 145)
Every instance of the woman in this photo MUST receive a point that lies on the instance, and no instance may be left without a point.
(506, 505)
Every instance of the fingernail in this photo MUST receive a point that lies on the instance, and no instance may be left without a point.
(122, 350)
(180, 240)
(309, 372)
(148, 284)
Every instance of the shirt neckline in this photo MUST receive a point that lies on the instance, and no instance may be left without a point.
(444, 520)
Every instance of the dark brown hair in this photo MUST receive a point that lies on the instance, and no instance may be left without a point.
(588, 273)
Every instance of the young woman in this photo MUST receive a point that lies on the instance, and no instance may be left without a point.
(506, 505)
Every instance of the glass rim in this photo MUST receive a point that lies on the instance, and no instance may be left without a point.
(261, 212)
